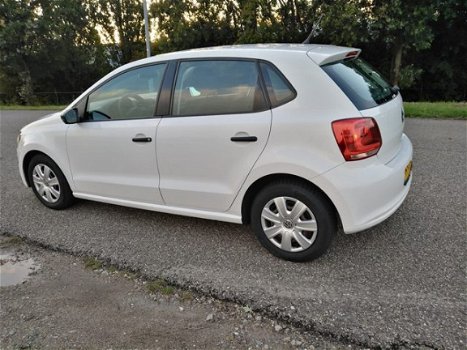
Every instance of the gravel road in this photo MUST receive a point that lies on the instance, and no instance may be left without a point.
(400, 284)
(64, 305)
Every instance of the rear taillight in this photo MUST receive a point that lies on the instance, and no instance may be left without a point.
(357, 138)
(352, 54)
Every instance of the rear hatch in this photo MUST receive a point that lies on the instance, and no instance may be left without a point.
(373, 96)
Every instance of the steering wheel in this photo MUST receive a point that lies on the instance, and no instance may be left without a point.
(130, 104)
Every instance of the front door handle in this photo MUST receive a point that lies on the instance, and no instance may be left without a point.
(142, 139)
(244, 139)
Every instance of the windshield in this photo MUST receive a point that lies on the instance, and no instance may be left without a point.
(364, 86)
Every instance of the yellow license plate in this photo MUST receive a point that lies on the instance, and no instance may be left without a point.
(407, 172)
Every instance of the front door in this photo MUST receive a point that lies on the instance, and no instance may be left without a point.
(112, 152)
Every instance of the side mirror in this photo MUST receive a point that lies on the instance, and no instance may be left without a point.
(71, 117)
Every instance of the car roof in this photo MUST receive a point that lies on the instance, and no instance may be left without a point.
(320, 54)
(317, 52)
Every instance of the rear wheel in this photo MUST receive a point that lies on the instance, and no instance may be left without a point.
(48, 183)
(293, 221)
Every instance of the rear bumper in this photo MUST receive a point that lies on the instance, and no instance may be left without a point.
(367, 192)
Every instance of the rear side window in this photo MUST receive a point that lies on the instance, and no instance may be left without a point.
(279, 89)
(217, 87)
(364, 86)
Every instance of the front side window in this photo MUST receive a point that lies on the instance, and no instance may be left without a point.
(130, 95)
(217, 87)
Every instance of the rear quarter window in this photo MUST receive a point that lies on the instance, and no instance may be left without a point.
(363, 85)
(280, 91)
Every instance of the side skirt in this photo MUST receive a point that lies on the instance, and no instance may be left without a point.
(236, 219)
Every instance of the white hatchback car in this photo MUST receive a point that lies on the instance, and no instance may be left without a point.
(289, 138)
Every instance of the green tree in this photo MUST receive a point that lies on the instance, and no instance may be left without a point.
(17, 44)
(295, 19)
(186, 24)
(273, 21)
(48, 46)
(343, 22)
(122, 24)
(443, 75)
(402, 25)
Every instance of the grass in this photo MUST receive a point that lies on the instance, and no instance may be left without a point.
(186, 295)
(440, 110)
(33, 108)
(11, 241)
(92, 263)
(154, 286)
(128, 274)
(112, 269)
(160, 286)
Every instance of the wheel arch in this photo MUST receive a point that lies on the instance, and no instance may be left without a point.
(27, 159)
(264, 181)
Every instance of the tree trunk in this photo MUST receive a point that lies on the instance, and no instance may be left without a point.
(396, 62)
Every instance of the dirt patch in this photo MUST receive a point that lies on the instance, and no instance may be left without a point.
(72, 302)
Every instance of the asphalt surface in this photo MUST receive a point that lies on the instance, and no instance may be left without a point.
(68, 303)
(400, 284)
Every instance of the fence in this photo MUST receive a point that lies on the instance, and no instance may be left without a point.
(56, 97)
(43, 98)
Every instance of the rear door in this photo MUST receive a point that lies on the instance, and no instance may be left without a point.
(218, 126)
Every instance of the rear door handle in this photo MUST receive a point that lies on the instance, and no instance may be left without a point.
(244, 139)
(142, 139)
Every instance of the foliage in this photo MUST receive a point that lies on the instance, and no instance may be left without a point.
(47, 46)
(32, 107)
(50, 50)
(122, 25)
(409, 74)
(402, 25)
(345, 22)
(182, 23)
(444, 73)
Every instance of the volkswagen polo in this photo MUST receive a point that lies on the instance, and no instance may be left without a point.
(292, 139)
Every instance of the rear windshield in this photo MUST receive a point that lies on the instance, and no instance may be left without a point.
(364, 86)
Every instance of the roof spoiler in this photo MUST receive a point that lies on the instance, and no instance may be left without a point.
(322, 55)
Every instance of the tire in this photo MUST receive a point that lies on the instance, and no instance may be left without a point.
(302, 237)
(48, 183)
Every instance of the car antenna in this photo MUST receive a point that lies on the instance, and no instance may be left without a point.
(314, 30)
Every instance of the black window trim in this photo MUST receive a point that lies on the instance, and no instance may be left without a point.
(222, 58)
(164, 99)
(82, 117)
(164, 103)
(284, 79)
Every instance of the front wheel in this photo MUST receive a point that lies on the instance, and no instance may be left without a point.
(48, 183)
(293, 221)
